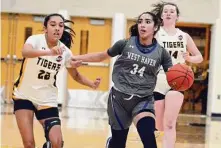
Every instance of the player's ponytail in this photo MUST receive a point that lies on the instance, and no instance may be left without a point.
(134, 30)
(158, 9)
(68, 34)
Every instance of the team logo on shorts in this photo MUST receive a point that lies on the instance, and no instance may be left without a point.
(59, 59)
(180, 37)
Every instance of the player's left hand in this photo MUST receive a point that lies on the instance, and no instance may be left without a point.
(186, 56)
(96, 83)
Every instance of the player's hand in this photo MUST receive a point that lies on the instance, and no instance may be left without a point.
(75, 63)
(56, 50)
(96, 83)
(75, 58)
(186, 56)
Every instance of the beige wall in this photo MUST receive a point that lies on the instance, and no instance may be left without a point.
(202, 11)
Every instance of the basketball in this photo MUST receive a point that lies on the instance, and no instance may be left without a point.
(180, 77)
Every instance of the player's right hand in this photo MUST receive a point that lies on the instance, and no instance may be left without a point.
(56, 50)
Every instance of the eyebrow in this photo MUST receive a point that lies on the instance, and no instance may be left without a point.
(145, 19)
(55, 22)
(168, 9)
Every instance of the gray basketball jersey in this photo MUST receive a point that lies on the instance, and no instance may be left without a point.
(135, 70)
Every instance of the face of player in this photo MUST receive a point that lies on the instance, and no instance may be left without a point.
(55, 28)
(145, 26)
(169, 14)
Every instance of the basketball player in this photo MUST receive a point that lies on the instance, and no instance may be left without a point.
(35, 91)
(134, 76)
(179, 44)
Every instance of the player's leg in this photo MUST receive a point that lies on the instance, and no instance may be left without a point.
(173, 104)
(144, 120)
(49, 118)
(161, 89)
(24, 113)
(159, 107)
(119, 121)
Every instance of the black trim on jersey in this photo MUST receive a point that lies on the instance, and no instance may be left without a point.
(146, 49)
(20, 73)
(55, 79)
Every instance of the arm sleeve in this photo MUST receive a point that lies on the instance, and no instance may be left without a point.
(117, 48)
(166, 60)
(32, 40)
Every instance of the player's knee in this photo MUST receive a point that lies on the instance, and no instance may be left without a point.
(48, 124)
(57, 143)
(146, 124)
(169, 124)
(29, 144)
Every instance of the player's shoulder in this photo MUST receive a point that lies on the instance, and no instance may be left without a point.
(123, 41)
(181, 32)
(36, 38)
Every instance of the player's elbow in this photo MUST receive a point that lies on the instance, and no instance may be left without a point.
(104, 56)
(101, 57)
(200, 58)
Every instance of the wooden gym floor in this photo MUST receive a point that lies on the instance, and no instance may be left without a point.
(87, 128)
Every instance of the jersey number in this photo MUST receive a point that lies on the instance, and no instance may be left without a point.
(174, 54)
(137, 70)
(43, 75)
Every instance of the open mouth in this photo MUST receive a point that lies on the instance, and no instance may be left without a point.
(56, 34)
(142, 31)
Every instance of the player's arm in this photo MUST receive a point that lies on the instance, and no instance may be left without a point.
(74, 72)
(82, 79)
(115, 50)
(30, 50)
(196, 56)
(166, 61)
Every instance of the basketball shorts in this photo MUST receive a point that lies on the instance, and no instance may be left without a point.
(162, 87)
(41, 112)
(123, 107)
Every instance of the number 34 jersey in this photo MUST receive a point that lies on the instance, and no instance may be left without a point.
(135, 70)
(37, 77)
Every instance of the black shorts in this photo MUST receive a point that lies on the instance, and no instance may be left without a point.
(40, 114)
(158, 96)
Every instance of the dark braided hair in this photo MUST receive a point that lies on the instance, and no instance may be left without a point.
(68, 34)
(134, 28)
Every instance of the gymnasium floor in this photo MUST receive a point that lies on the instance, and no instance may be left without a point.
(86, 128)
